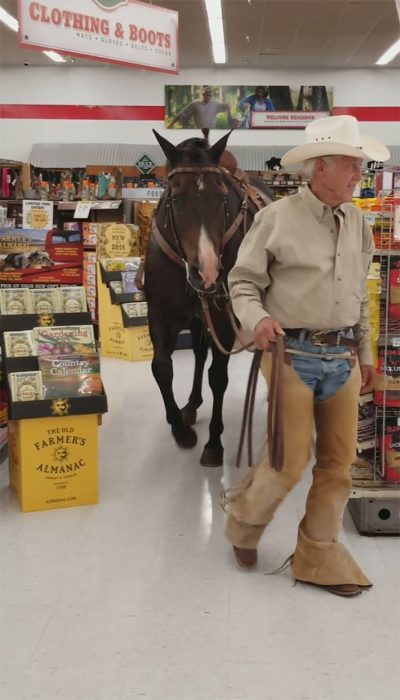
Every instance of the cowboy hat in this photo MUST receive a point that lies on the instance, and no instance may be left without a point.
(336, 136)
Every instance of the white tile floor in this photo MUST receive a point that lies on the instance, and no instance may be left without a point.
(139, 596)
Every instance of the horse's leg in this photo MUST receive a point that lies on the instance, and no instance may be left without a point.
(163, 336)
(213, 453)
(200, 348)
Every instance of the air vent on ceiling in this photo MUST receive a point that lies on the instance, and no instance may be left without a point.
(270, 52)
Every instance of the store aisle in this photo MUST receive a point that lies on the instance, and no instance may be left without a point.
(140, 597)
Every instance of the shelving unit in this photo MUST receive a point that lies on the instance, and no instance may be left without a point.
(375, 494)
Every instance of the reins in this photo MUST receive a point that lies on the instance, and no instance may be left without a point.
(275, 407)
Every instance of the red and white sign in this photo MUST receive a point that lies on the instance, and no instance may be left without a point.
(284, 120)
(114, 31)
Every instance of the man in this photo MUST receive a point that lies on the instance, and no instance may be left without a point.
(301, 273)
(203, 111)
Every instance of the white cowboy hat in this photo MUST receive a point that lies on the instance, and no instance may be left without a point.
(336, 136)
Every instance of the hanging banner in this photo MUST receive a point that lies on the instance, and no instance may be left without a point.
(245, 106)
(113, 31)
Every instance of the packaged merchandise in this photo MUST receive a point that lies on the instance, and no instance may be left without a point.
(43, 301)
(19, 343)
(26, 386)
(389, 444)
(14, 301)
(394, 289)
(70, 375)
(72, 299)
(64, 340)
(387, 392)
(136, 309)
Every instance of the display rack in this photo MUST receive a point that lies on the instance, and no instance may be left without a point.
(375, 493)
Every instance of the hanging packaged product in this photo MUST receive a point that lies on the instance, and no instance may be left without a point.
(389, 445)
(387, 391)
(394, 291)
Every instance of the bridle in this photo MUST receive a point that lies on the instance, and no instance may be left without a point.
(199, 173)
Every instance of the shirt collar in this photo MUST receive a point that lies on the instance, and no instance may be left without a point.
(317, 207)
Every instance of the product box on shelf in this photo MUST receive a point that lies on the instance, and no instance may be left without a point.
(53, 462)
(36, 256)
(116, 239)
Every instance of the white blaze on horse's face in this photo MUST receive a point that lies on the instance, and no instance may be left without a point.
(208, 260)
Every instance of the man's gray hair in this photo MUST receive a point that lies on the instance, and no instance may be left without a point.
(309, 165)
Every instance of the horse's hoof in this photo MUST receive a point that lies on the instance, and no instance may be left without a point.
(185, 436)
(189, 415)
(212, 457)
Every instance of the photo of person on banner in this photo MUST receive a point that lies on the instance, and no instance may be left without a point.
(202, 112)
(259, 101)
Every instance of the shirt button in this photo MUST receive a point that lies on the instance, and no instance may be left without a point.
(337, 302)
(339, 279)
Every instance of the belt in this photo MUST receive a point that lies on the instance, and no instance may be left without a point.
(335, 337)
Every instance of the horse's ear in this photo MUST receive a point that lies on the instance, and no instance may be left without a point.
(170, 151)
(218, 148)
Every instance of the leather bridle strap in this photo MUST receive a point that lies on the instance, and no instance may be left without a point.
(165, 247)
(275, 406)
(235, 224)
(211, 330)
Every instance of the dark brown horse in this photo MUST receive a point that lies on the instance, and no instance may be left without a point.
(196, 232)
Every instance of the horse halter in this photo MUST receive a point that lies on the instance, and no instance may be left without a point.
(199, 173)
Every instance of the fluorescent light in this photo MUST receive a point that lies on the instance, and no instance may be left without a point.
(12, 23)
(54, 56)
(216, 27)
(9, 20)
(390, 54)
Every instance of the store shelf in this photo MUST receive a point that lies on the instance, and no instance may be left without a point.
(367, 484)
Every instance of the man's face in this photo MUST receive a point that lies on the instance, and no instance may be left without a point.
(341, 178)
(206, 96)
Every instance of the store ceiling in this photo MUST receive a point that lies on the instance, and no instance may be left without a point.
(265, 34)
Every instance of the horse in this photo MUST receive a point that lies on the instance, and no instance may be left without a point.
(197, 229)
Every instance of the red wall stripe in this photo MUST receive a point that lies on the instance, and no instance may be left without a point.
(94, 113)
(156, 113)
(370, 114)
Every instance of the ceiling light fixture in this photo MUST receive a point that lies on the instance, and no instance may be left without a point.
(54, 56)
(12, 23)
(389, 55)
(216, 27)
(9, 20)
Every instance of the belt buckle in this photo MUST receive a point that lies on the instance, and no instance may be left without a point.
(313, 338)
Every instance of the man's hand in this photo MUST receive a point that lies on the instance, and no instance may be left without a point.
(367, 378)
(266, 331)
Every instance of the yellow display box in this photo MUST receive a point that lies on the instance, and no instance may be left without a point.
(132, 344)
(53, 461)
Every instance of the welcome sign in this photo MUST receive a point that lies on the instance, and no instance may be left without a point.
(116, 31)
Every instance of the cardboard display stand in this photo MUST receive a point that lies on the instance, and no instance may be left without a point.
(132, 344)
(53, 462)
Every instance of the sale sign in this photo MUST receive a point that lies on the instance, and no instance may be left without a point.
(113, 31)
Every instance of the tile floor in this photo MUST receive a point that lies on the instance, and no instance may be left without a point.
(139, 596)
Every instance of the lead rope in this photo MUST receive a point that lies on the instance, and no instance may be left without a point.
(275, 408)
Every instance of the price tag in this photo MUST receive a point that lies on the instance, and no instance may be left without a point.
(82, 210)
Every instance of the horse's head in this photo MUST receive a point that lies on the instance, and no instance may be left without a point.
(196, 206)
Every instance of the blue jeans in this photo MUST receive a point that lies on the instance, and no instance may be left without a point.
(323, 377)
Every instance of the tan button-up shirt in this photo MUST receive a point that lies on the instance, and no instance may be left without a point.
(306, 266)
